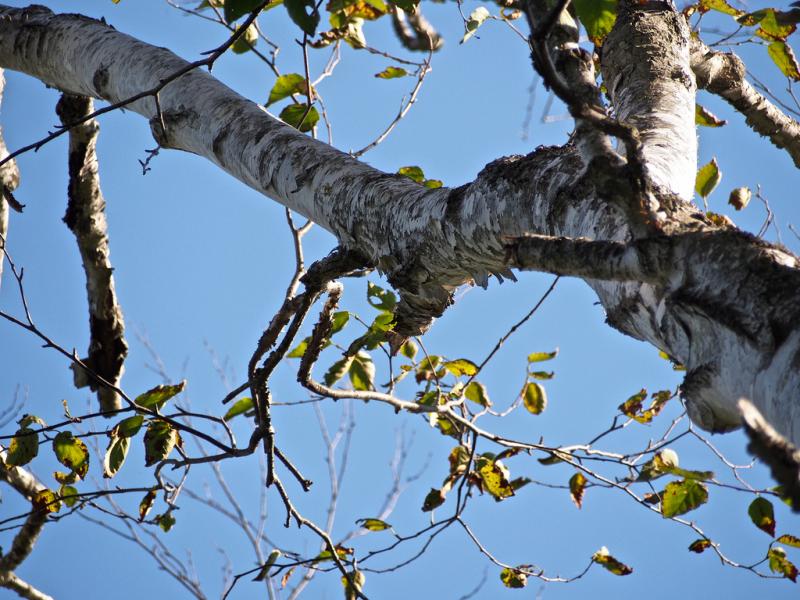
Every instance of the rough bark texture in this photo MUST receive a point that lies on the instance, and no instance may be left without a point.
(723, 74)
(86, 218)
(718, 300)
(9, 180)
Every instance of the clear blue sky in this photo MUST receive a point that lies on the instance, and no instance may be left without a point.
(201, 261)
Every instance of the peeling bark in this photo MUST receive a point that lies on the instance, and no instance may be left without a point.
(723, 74)
(720, 301)
(9, 180)
(86, 218)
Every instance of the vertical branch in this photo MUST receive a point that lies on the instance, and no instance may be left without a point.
(86, 218)
(9, 180)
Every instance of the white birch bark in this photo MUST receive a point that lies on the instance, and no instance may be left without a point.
(720, 301)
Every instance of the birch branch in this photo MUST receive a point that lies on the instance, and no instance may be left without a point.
(724, 74)
(86, 218)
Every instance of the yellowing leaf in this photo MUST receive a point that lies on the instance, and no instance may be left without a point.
(23, 448)
(461, 366)
(740, 198)
(412, 172)
(514, 578)
(373, 524)
(534, 397)
(246, 41)
(541, 356)
(789, 540)
(763, 515)
(353, 584)
(146, 504)
(602, 557)
(708, 177)
(705, 118)
(783, 56)
(494, 476)
(662, 463)
(46, 500)
(720, 6)
(778, 563)
(391, 73)
(165, 521)
(577, 486)
(699, 546)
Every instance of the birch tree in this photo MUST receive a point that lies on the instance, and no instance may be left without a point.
(614, 207)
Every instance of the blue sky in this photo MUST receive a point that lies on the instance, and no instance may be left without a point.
(201, 261)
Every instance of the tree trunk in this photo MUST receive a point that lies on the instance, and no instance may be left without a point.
(720, 301)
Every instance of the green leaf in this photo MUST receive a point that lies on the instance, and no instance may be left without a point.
(778, 563)
(239, 407)
(534, 357)
(304, 14)
(475, 20)
(597, 16)
(459, 459)
(708, 177)
(159, 395)
(72, 453)
(285, 86)
(409, 349)
(699, 546)
(373, 524)
(740, 198)
(414, 173)
(115, 455)
(380, 298)
(772, 27)
(705, 118)
(65, 478)
(159, 440)
(763, 515)
(271, 559)
(680, 497)
(23, 448)
(341, 551)
(432, 183)
(299, 350)
(534, 397)
(783, 56)
(461, 366)
(69, 495)
(362, 372)
(476, 392)
(246, 41)
(337, 370)
(300, 116)
(577, 486)
(146, 504)
(128, 427)
(602, 557)
(165, 521)
(541, 375)
(238, 8)
(339, 320)
(789, 540)
(514, 578)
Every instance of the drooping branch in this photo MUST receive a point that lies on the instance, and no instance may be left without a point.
(415, 31)
(86, 219)
(724, 74)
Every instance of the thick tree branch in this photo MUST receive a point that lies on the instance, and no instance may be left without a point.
(724, 74)
(86, 219)
(725, 305)
(21, 587)
(9, 180)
